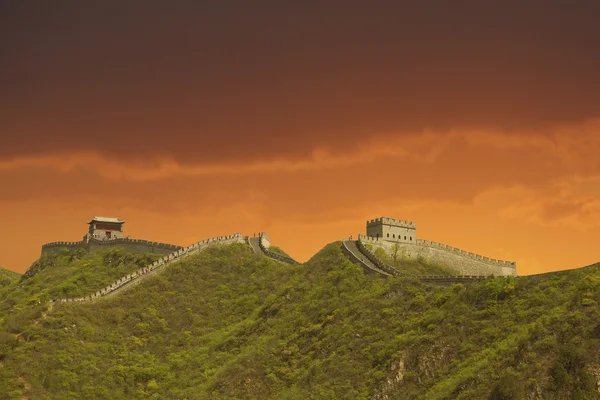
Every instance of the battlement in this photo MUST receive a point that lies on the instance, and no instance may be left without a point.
(389, 270)
(391, 222)
(92, 244)
(447, 255)
(456, 250)
(134, 278)
(128, 241)
(61, 244)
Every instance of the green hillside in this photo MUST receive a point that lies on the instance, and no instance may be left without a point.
(227, 324)
(67, 273)
(7, 277)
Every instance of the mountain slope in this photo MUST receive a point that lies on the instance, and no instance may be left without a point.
(227, 323)
(7, 277)
(67, 273)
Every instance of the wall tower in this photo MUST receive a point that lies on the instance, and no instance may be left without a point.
(392, 230)
(106, 228)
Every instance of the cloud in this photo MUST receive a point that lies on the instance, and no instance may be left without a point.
(223, 92)
(569, 203)
(424, 147)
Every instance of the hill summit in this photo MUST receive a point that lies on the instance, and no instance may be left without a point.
(228, 322)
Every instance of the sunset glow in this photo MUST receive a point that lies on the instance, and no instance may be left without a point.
(217, 121)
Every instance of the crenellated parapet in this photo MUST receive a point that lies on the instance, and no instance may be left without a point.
(134, 278)
(392, 222)
(377, 261)
(467, 263)
(369, 239)
(264, 243)
(391, 271)
(52, 246)
(93, 244)
(124, 242)
(464, 253)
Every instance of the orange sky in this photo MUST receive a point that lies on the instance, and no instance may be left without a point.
(481, 124)
(533, 201)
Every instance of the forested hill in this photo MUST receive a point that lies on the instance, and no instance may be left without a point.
(230, 324)
(7, 277)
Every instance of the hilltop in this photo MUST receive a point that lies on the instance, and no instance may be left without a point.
(227, 323)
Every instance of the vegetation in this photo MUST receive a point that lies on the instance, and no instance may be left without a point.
(7, 277)
(67, 273)
(227, 324)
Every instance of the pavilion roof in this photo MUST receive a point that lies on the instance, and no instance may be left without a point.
(114, 220)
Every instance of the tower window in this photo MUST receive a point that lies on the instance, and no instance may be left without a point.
(388, 235)
(411, 238)
(404, 237)
(394, 235)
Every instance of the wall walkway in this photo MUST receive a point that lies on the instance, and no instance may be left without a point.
(276, 256)
(93, 244)
(359, 253)
(350, 248)
(258, 247)
(156, 267)
(466, 263)
(254, 242)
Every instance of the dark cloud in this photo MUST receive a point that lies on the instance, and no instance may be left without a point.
(208, 82)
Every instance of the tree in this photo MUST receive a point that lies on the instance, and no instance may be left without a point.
(395, 250)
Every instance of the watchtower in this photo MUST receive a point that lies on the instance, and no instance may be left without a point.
(392, 230)
(106, 228)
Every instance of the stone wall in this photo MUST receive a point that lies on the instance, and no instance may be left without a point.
(392, 229)
(264, 244)
(265, 240)
(465, 263)
(56, 246)
(436, 279)
(368, 270)
(136, 277)
(134, 245)
(375, 260)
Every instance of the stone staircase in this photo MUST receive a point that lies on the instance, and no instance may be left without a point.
(258, 248)
(254, 242)
(372, 264)
(351, 249)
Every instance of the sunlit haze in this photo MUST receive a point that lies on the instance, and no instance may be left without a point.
(480, 124)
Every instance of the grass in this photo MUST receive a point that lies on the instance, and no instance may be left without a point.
(7, 277)
(229, 324)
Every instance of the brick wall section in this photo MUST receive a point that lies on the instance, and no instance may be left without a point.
(437, 279)
(465, 263)
(56, 246)
(378, 262)
(134, 245)
(136, 277)
(349, 248)
(275, 256)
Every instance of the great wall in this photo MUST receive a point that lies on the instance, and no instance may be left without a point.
(466, 263)
(156, 267)
(470, 266)
(361, 255)
(259, 245)
(135, 245)
(356, 251)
